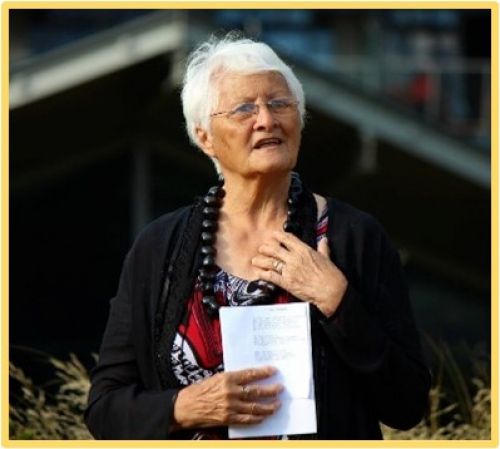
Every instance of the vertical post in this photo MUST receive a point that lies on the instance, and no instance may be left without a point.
(368, 155)
(140, 195)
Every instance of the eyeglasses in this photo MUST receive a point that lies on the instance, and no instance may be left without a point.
(278, 106)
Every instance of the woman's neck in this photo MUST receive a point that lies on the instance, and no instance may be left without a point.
(256, 202)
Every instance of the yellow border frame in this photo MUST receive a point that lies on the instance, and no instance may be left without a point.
(493, 7)
(252, 4)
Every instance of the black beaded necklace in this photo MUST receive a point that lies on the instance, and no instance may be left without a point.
(212, 203)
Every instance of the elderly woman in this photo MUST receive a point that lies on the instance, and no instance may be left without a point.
(258, 237)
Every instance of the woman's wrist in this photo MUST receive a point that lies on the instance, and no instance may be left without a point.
(333, 298)
(174, 424)
(184, 413)
(188, 413)
(179, 413)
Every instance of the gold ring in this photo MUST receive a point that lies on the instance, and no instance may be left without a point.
(252, 409)
(278, 266)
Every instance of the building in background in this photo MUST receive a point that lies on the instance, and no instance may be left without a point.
(399, 112)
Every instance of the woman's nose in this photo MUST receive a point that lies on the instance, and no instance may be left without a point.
(264, 119)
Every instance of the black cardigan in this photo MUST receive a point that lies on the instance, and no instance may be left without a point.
(367, 356)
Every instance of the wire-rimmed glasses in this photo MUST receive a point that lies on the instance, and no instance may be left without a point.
(242, 112)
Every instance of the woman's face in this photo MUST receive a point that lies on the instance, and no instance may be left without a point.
(266, 142)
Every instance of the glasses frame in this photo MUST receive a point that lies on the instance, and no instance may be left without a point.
(229, 114)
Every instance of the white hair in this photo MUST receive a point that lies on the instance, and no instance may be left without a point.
(228, 54)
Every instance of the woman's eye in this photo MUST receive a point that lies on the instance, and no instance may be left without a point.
(245, 108)
(276, 105)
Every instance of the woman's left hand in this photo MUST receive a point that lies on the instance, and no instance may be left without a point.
(297, 268)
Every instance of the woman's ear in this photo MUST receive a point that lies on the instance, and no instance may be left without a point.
(205, 141)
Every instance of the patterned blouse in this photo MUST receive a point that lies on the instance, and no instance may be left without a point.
(197, 349)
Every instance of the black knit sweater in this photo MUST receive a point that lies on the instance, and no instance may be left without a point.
(367, 357)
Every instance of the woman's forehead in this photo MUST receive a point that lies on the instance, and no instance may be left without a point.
(237, 85)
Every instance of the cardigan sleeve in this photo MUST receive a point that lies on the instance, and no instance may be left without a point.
(119, 405)
(374, 333)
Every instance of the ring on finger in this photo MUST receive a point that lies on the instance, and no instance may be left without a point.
(278, 266)
(253, 408)
(245, 390)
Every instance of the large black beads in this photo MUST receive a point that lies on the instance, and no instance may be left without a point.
(207, 273)
(208, 238)
(209, 225)
(211, 305)
(208, 261)
(217, 192)
(208, 250)
(291, 227)
(291, 224)
(212, 213)
(207, 287)
(211, 200)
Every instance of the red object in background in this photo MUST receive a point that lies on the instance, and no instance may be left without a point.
(420, 90)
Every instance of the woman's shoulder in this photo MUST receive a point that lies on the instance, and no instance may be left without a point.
(354, 230)
(163, 228)
(344, 217)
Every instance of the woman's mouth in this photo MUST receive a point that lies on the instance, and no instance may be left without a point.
(267, 143)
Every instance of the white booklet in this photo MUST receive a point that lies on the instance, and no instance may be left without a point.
(280, 336)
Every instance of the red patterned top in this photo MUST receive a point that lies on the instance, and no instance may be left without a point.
(197, 348)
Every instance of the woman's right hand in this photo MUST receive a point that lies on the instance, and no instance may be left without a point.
(225, 399)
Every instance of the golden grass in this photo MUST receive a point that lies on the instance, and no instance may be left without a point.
(37, 415)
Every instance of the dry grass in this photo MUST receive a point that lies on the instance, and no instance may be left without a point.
(36, 415)
(443, 423)
(39, 417)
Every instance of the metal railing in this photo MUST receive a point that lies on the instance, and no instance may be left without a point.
(453, 95)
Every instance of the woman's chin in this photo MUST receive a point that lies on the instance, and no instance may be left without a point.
(276, 169)
(273, 161)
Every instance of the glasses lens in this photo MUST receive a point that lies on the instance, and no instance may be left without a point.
(281, 105)
(243, 111)
(278, 105)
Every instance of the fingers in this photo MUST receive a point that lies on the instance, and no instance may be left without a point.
(271, 276)
(247, 419)
(246, 376)
(258, 408)
(267, 263)
(253, 413)
(253, 402)
(264, 262)
(284, 247)
(227, 398)
(265, 391)
(274, 250)
(290, 241)
(250, 392)
(323, 247)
